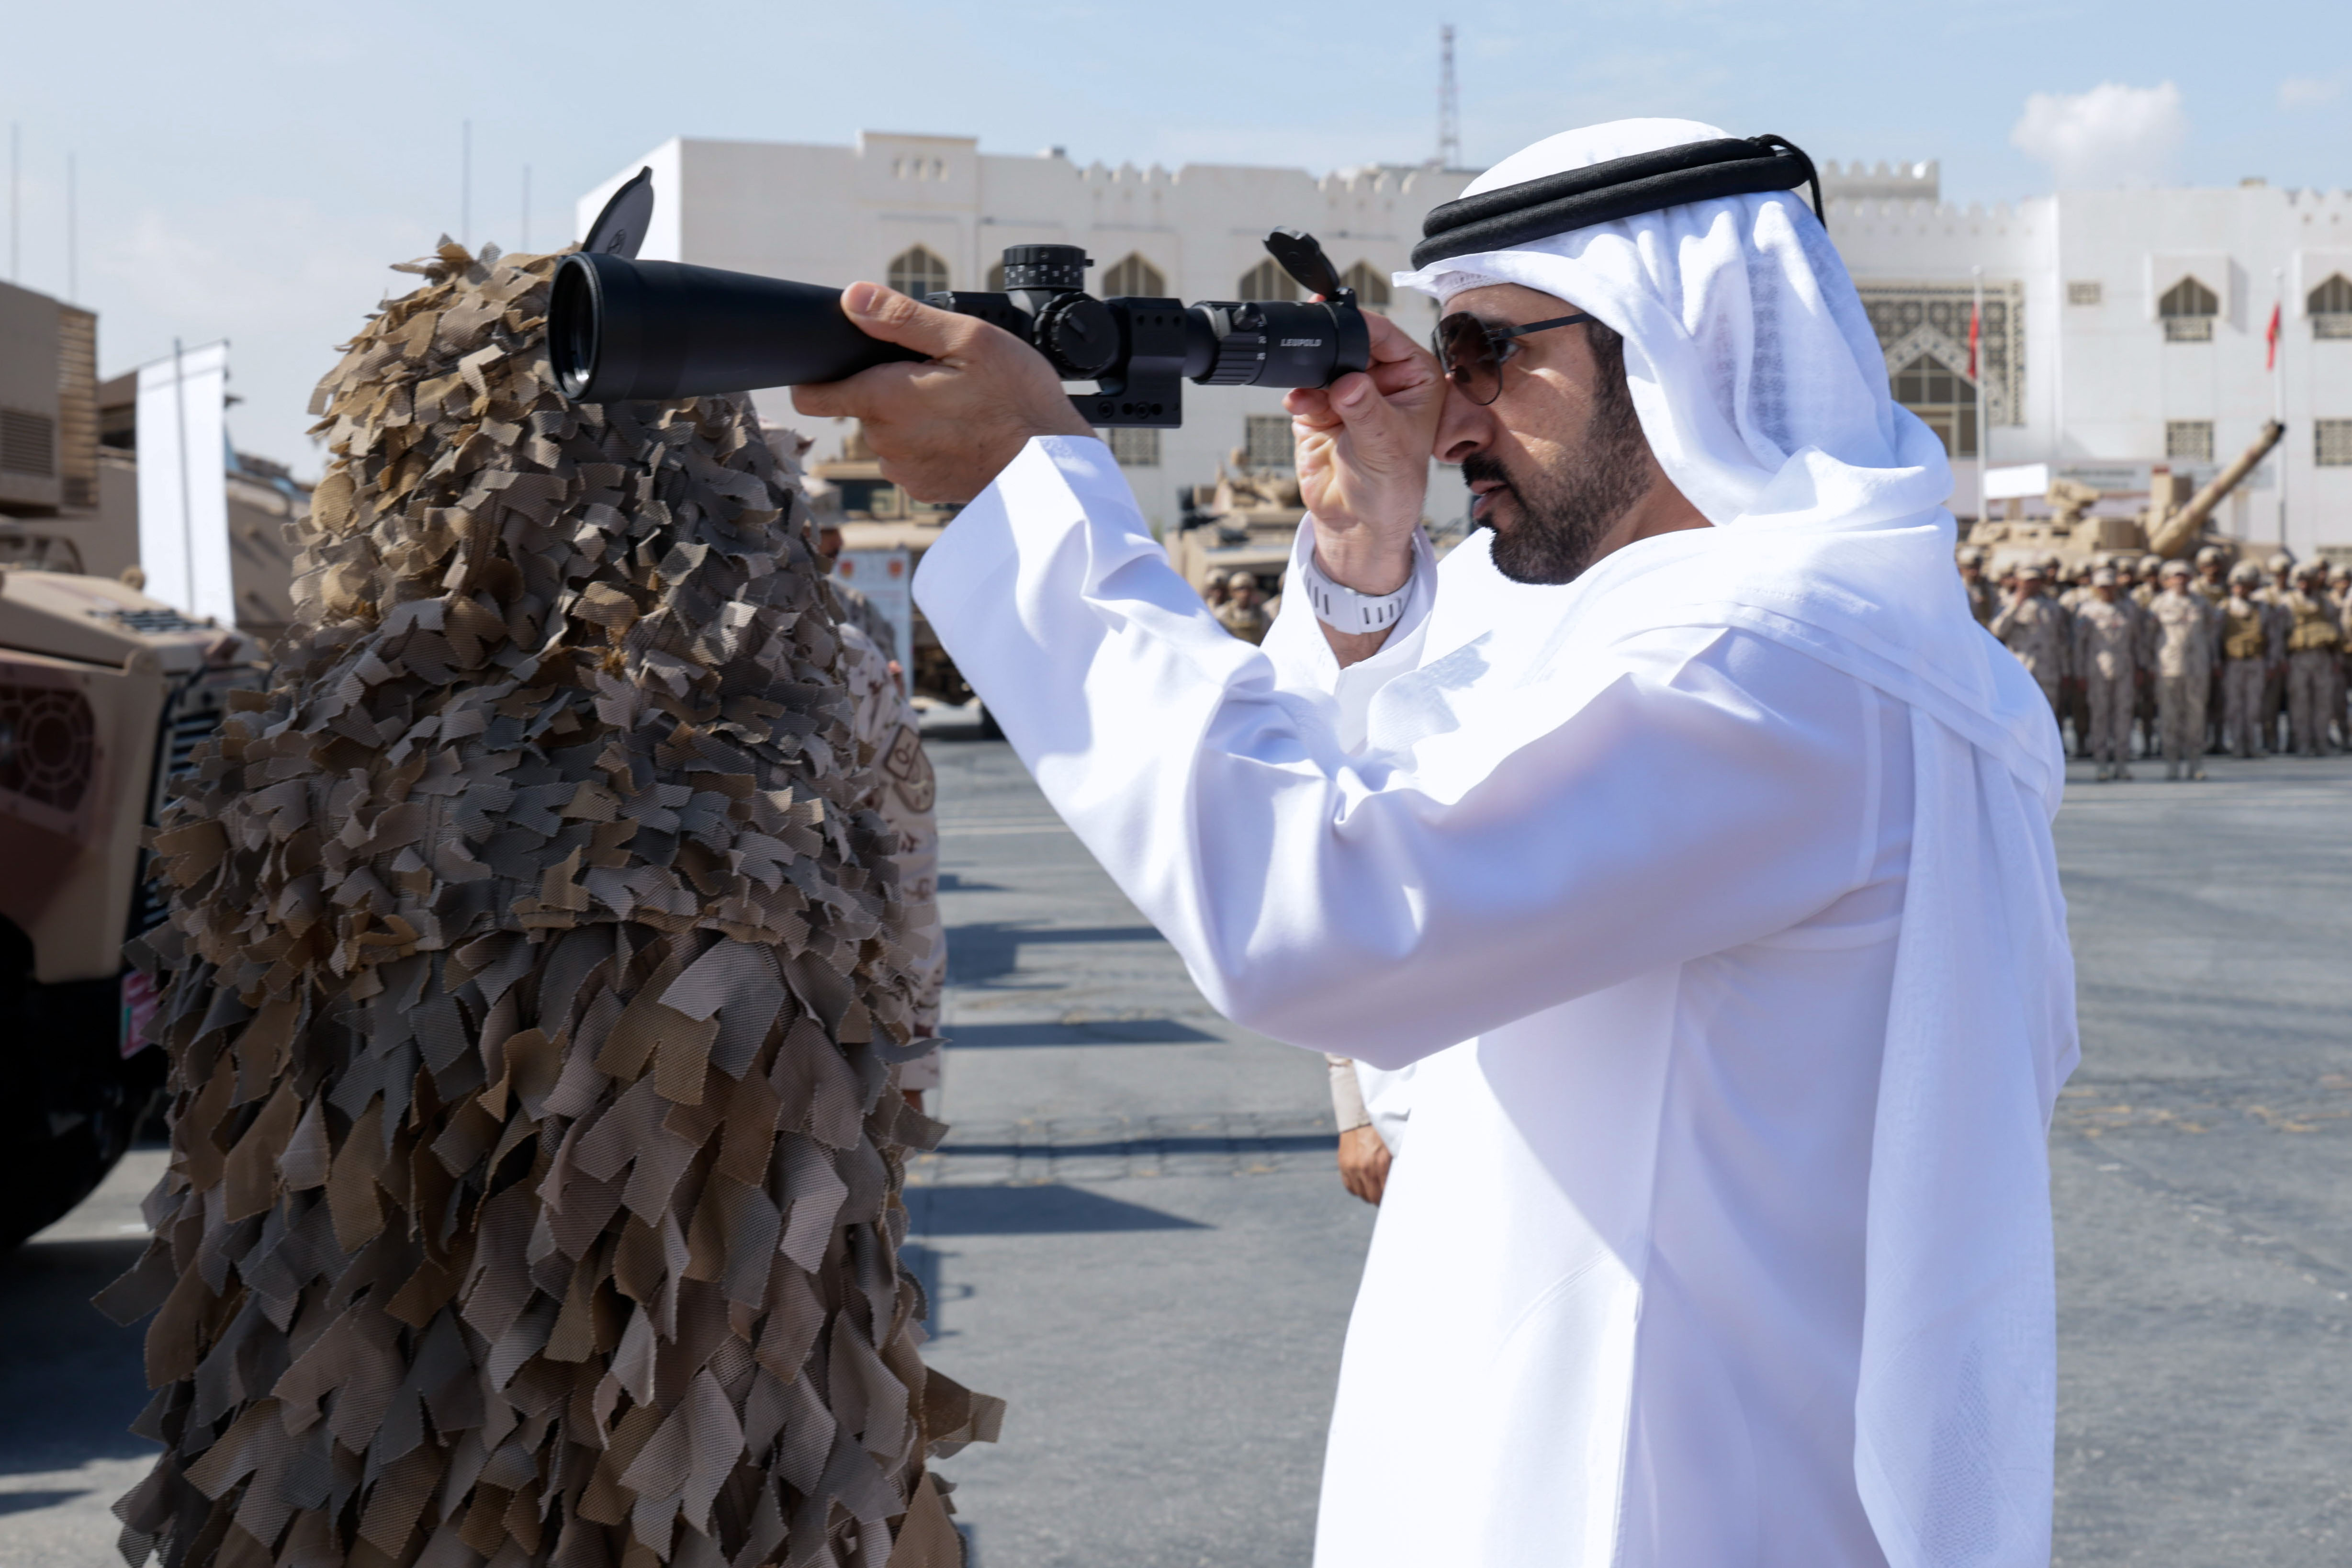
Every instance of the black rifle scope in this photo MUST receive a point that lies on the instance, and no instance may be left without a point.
(622, 330)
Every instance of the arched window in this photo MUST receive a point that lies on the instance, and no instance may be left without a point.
(1133, 278)
(917, 272)
(1945, 401)
(2330, 306)
(1371, 287)
(1267, 281)
(2187, 310)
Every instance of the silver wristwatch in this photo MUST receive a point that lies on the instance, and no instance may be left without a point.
(1344, 610)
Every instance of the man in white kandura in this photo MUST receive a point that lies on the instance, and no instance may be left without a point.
(1686, 829)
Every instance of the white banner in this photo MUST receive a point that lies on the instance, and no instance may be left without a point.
(887, 578)
(183, 483)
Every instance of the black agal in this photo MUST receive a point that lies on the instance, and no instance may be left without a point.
(1621, 187)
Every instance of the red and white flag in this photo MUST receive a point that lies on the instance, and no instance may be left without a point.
(2271, 337)
(1974, 325)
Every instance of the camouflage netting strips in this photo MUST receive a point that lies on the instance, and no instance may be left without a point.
(535, 1170)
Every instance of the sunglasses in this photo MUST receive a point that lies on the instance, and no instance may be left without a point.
(1470, 353)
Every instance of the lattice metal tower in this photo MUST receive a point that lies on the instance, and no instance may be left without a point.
(1449, 103)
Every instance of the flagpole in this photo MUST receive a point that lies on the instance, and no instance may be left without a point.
(1976, 375)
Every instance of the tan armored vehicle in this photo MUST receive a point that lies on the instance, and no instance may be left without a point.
(1244, 522)
(2174, 523)
(850, 493)
(104, 694)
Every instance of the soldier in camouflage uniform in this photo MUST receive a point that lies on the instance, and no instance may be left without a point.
(2140, 572)
(2212, 574)
(2183, 658)
(2339, 593)
(2108, 643)
(2033, 627)
(1241, 614)
(2314, 633)
(2211, 585)
(1981, 596)
(2273, 595)
(2077, 687)
(2250, 647)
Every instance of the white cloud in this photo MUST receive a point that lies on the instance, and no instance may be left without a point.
(2306, 91)
(2111, 135)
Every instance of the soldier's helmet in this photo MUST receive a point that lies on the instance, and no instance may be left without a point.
(2174, 569)
(2103, 577)
(1971, 555)
(2210, 554)
(2279, 562)
(2243, 572)
(2030, 573)
(2339, 572)
(2312, 571)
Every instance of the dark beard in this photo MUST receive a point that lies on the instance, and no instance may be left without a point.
(1562, 517)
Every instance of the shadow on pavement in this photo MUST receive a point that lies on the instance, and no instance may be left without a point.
(1043, 1210)
(70, 1381)
(1107, 1032)
(989, 949)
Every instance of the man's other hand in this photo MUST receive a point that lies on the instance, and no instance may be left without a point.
(1364, 1164)
(1364, 445)
(943, 429)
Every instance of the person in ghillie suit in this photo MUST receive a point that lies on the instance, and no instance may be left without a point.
(534, 993)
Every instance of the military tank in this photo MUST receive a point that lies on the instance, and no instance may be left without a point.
(104, 694)
(1242, 523)
(2174, 523)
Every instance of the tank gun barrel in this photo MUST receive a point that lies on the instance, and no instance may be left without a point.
(2178, 532)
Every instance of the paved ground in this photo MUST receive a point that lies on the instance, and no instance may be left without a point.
(1134, 1235)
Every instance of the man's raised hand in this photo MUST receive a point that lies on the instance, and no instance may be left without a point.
(1364, 445)
(945, 428)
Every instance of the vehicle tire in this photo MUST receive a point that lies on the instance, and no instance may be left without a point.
(69, 1104)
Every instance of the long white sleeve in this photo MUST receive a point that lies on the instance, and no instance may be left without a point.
(1706, 795)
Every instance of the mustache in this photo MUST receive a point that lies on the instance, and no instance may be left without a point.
(1480, 465)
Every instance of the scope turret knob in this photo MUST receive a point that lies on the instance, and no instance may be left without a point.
(1077, 333)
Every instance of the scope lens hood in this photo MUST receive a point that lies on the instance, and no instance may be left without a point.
(574, 319)
(620, 330)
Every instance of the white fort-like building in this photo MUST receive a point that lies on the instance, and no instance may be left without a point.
(2123, 331)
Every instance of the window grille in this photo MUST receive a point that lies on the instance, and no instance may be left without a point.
(2188, 438)
(1371, 287)
(917, 272)
(2330, 307)
(1945, 401)
(2332, 443)
(28, 443)
(1134, 448)
(1267, 281)
(1131, 276)
(2088, 292)
(1266, 442)
(2187, 310)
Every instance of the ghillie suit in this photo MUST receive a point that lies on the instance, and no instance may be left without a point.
(534, 1182)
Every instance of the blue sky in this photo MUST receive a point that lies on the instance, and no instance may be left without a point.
(248, 168)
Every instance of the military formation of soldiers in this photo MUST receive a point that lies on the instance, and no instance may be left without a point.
(2202, 658)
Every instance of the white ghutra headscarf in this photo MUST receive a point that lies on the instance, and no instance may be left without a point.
(1762, 388)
